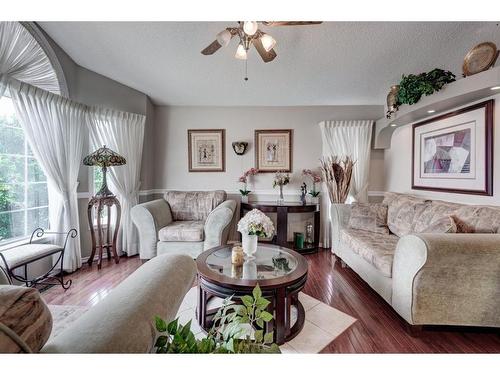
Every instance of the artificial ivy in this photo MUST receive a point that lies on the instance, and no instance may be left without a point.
(412, 87)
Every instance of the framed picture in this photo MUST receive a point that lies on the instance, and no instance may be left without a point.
(454, 152)
(273, 150)
(206, 149)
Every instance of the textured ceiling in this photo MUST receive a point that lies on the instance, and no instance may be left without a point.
(336, 63)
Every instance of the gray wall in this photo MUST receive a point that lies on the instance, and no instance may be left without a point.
(170, 142)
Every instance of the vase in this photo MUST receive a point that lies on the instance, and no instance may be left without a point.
(244, 199)
(249, 242)
(249, 270)
(392, 101)
(315, 200)
(281, 199)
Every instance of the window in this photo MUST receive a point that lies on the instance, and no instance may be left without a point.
(23, 185)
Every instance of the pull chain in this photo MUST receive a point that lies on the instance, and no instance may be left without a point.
(246, 70)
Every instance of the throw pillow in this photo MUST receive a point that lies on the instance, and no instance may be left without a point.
(444, 225)
(462, 226)
(369, 217)
(23, 311)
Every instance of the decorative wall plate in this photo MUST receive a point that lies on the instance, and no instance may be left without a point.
(480, 58)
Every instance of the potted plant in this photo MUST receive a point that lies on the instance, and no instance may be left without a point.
(237, 328)
(281, 179)
(253, 225)
(315, 178)
(244, 180)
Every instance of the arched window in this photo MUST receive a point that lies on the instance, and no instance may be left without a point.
(23, 185)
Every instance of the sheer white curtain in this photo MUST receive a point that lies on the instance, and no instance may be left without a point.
(348, 138)
(55, 127)
(124, 133)
(22, 58)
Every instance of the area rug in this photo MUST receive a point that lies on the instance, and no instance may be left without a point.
(322, 325)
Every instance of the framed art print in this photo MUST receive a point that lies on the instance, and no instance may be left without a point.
(454, 152)
(273, 150)
(206, 150)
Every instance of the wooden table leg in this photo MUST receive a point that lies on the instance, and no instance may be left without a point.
(92, 234)
(115, 235)
(99, 235)
(108, 237)
(280, 316)
(282, 224)
(202, 307)
(316, 229)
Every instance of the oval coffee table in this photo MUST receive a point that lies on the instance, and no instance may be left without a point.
(280, 272)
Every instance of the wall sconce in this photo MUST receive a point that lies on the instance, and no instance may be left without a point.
(240, 147)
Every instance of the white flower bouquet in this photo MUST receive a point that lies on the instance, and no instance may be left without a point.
(255, 222)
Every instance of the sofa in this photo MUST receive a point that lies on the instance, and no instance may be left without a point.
(434, 262)
(123, 322)
(183, 222)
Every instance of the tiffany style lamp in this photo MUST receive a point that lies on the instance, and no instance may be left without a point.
(104, 198)
(104, 158)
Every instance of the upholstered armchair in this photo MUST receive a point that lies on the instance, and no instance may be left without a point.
(183, 222)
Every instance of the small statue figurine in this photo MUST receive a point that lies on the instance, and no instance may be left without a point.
(303, 193)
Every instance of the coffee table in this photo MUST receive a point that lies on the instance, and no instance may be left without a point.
(217, 277)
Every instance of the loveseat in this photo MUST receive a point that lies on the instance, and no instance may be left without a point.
(435, 262)
(123, 322)
(183, 222)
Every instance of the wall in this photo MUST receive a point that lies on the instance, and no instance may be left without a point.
(398, 166)
(171, 124)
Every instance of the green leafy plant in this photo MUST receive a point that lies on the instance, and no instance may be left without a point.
(233, 326)
(412, 87)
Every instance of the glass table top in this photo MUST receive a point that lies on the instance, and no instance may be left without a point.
(268, 263)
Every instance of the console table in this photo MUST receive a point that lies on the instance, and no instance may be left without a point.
(282, 210)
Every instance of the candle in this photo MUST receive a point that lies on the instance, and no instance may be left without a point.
(237, 256)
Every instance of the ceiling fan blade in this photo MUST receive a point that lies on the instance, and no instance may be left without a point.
(291, 23)
(212, 48)
(267, 56)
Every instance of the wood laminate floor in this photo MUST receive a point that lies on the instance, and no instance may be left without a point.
(378, 329)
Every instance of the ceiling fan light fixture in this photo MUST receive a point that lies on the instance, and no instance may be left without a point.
(241, 52)
(224, 37)
(250, 27)
(268, 42)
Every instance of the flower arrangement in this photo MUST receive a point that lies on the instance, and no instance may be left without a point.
(315, 178)
(244, 180)
(255, 222)
(281, 179)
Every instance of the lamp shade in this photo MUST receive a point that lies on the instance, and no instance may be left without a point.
(104, 157)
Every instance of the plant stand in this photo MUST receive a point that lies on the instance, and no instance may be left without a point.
(99, 203)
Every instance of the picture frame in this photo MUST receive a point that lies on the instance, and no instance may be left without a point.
(453, 152)
(273, 150)
(207, 150)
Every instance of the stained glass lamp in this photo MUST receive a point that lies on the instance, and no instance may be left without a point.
(104, 158)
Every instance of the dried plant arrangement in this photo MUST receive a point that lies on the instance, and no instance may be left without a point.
(337, 174)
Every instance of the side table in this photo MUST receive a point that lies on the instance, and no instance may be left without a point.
(98, 204)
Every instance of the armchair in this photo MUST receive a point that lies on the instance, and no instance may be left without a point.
(183, 222)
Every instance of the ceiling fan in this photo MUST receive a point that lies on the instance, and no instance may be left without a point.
(249, 34)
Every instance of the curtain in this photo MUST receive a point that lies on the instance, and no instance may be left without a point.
(55, 127)
(22, 58)
(124, 133)
(347, 138)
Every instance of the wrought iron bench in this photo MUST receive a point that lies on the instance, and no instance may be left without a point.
(22, 255)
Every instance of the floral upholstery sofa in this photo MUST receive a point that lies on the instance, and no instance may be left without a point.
(435, 262)
(183, 222)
